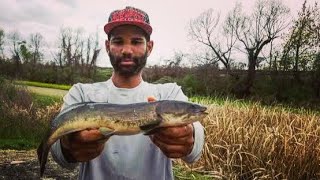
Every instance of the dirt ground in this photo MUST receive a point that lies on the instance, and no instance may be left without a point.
(24, 165)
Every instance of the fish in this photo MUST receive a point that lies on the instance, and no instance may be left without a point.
(118, 119)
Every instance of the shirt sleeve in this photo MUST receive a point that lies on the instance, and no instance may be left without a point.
(177, 94)
(198, 144)
(73, 96)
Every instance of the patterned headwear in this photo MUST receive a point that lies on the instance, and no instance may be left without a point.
(129, 15)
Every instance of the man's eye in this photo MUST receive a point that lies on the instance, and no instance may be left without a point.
(137, 42)
(117, 42)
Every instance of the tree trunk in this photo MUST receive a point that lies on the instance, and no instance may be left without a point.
(296, 64)
(250, 75)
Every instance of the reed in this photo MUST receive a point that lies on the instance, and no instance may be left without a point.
(249, 141)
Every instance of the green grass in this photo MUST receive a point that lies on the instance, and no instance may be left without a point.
(46, 85)
(102, 74)
(43, 100)
(246, 103)
(25, 119)
(18, 144)
(181, 173)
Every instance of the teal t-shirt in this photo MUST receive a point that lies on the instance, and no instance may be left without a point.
(127, 157)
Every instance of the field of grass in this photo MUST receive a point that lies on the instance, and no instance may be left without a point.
(18, 144)
(59, 93)
(46, 85)
(250, 141)
(243, 140)
(24, 116)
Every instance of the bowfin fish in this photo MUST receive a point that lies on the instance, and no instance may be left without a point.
(119, 119)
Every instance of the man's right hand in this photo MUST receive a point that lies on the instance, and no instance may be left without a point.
(83, 146)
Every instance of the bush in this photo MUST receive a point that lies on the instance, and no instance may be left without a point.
(20, 116)
(164, 79)
(190, 85)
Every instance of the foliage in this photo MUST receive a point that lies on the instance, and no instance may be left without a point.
(241, 136)
(254, 31)
(18, 144)
(102, 74)
(181, 173)
(21, 117)
(42, 101)
(270, 87)
(303, 41)
(190, 84)
(164, 79)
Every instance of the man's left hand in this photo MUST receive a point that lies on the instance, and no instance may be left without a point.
(174, 142)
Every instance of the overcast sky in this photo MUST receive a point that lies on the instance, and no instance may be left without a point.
(169, 19)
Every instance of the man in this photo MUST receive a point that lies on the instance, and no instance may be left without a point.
(127, 157)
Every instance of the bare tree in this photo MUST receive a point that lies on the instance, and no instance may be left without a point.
(35, 44)
(77, 53)
(205, 57)
(36, 41)
(205, 30)
(256, 30)
(69, 55)
(92, 57)
(2, 36)
(16, 42)
(176, 60)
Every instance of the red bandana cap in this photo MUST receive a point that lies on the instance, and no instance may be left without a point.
(129, 15)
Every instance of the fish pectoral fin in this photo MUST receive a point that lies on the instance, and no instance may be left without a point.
(106, 131)
(150, 125)
(151, 131)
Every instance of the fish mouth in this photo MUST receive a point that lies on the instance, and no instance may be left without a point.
(200, 111)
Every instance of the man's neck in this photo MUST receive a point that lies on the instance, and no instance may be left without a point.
(121, 81)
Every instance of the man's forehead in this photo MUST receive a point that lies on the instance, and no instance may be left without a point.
(127, 30)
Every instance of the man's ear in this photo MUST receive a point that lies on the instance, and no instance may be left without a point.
(149, 47)
(107, 43)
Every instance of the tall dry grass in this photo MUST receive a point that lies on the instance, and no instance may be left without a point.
(254, 142)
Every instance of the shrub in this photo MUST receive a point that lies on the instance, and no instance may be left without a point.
(190, 85)
(20, 117)
(164, 79)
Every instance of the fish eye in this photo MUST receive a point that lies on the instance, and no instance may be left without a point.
(91, 106)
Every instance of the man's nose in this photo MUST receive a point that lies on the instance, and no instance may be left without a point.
(127, 49)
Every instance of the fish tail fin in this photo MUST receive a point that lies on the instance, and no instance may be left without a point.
(43, 152)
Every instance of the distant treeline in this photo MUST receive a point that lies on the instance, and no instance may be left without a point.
(269, 86)
(203, 80)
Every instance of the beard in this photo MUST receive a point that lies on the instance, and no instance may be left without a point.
(128, 70)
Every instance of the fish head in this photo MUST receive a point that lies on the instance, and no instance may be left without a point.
(180, 112)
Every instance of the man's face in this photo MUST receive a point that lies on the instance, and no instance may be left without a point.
(128, 49)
